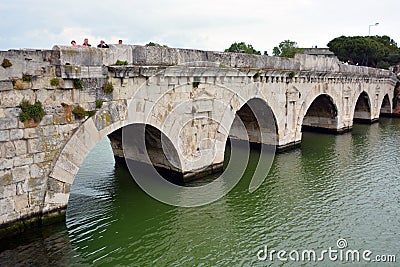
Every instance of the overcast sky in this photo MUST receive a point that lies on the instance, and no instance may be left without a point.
(206, 24)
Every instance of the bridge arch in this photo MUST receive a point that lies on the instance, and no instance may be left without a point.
(320, 114)
(362, 108)
(86, 137)
(386, 106)
(259, 120)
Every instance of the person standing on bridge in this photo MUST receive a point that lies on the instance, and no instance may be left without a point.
(86, 43)
(102, 45)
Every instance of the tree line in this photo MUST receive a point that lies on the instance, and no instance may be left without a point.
(371, 51)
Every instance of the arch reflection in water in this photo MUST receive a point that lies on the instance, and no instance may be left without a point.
(304, 203)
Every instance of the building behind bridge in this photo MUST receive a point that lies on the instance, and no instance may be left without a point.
(314, 51)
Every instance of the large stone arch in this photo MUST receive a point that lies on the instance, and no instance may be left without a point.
(67, 165)
(362, 108)
(259, 120)
(386, 106)
(319, 113)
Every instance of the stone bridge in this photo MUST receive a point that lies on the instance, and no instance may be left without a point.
(190, 98)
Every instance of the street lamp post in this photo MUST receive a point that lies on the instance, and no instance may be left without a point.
(369, 28)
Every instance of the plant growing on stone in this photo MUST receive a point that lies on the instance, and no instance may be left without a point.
(79, 112)
(155, 44)
(121, 63)
(6, 63)
(78, 84)
(107, 88)
(29, 111)
(26, 78)
(291, 75)
(55, 82)
(90, 113)
(99, 103)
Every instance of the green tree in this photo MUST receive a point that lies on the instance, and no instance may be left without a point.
(242, 47)
(372, 51)
(155, 44)
(287, 48)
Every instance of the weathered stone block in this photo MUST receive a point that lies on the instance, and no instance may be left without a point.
(49, 130)
(11, 112)
(19, 174)
(6, 205)
(56, 198)
(16, 134)
(35, 184)
(47, 120)
(6, 86)
(11, 99)
(21, 202)
(31, 133)
(23, 160)
(20, 147)
(9, 149)
(55, 186)
(4, 136)
(6, 163)
(5, 178)
(36, 198)
(35, 171)
(67, 165)
(62, 175)
(7, 191)
(51, 142)
(39, 157)
(34, 146)
(39, 83)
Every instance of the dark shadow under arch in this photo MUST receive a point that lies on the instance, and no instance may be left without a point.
(158, 151)
(362, 111)
(321, 116)
(386, 108)
(259, 119)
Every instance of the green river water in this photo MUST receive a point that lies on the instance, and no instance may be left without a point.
(334, 188)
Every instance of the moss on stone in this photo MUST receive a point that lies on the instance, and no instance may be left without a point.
(7, 179)
(12, 229)
(26, 78)
(78, 84)
(99, 103)
(54, 216)
(107, 88)
(79, 112)
(55, 82)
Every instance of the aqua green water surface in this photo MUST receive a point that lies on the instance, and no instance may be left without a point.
(333, 187)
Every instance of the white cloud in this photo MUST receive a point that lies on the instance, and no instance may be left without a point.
(209, 25)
